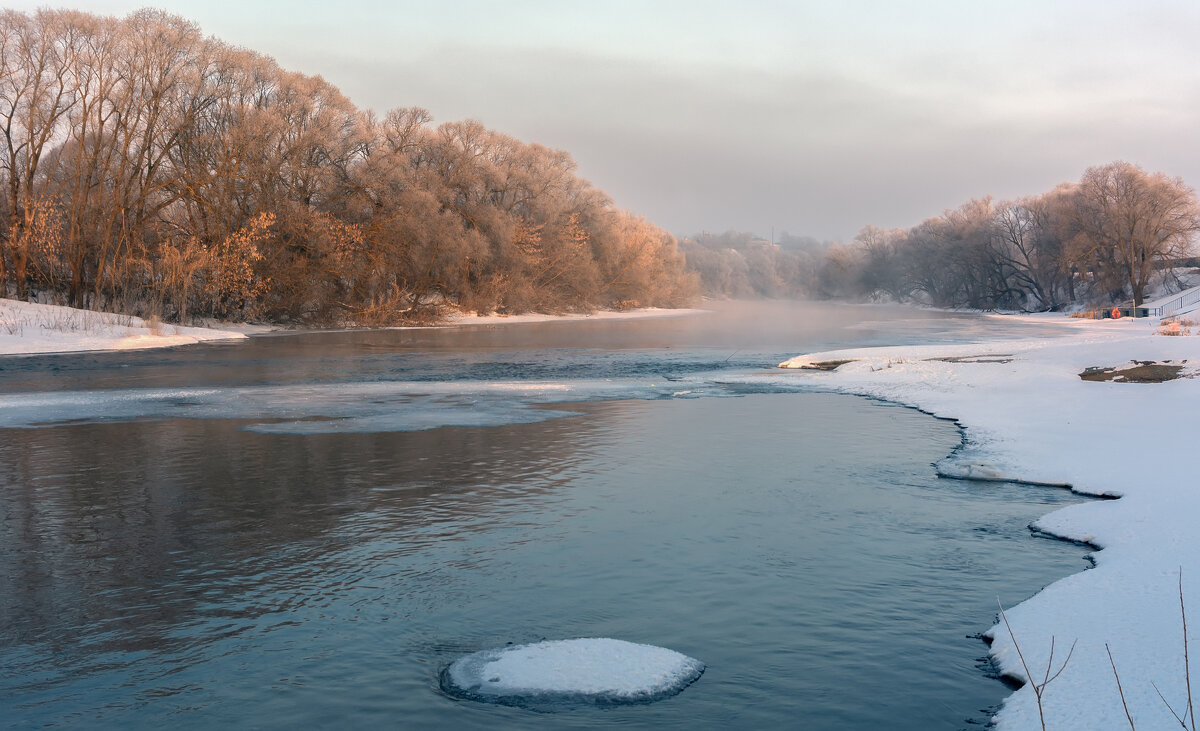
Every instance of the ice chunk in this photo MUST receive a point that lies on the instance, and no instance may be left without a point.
(978, 470)
(596, 671)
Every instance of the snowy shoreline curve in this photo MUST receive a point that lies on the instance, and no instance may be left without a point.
(1028, 416)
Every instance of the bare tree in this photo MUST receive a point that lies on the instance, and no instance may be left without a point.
(1098, 239)
(1031, 255)
(1142, 220)
(36, 93)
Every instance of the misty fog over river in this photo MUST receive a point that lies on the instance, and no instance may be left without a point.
(304, 529)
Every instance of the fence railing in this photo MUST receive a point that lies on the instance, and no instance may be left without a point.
(1167, 309)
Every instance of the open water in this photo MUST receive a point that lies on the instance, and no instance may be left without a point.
(304, 530)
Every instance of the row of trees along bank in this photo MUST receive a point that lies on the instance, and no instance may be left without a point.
(149, 169)
(1105, 239)
(739, 265)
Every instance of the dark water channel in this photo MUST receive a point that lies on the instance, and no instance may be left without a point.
(163, 565)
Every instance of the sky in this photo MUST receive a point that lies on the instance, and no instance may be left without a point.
(815, 118)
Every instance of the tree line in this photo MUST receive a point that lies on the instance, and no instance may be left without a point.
(738, 264)
(149, 169)
(1110, 237)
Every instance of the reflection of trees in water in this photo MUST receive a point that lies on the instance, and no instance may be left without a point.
(115, 537)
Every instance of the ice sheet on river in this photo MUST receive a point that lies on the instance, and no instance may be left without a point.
(317, 408)
(597, 671)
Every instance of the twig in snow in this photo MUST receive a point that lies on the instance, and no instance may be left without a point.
(1187, 670)
(1047, 679)
(1189, 713)
(1120, 690)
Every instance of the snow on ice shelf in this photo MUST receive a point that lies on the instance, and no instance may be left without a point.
(597, 671)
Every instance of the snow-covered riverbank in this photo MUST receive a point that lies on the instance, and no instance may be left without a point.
(27, 328)
(1029, 416)
(35, 328)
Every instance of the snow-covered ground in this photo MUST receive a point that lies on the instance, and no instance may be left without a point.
(27, 328)
(1028, 416)
(35, 328)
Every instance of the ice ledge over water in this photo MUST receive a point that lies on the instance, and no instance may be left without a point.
(1028, 414)
(594, 671)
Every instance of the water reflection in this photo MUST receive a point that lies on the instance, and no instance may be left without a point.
(117, 535)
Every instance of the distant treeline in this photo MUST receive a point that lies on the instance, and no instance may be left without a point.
(1108, 238)
(739, 265)
(147, 168)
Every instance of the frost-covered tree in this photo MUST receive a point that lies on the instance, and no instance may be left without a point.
(1138, 219)
(148, 168)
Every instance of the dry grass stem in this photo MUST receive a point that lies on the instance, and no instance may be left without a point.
(1050, 675)
(1187, 670)
(1120, 690)
(1186, 719)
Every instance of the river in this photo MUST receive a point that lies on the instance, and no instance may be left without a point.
(302, 530)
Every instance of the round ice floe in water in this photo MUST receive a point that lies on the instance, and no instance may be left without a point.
(595, 671)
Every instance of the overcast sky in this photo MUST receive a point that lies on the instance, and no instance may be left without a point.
(812, 117)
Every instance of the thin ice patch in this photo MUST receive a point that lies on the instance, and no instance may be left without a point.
(322, 408)
(415, 419)
(589, 671)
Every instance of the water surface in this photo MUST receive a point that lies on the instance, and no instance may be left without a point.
(168, 566)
